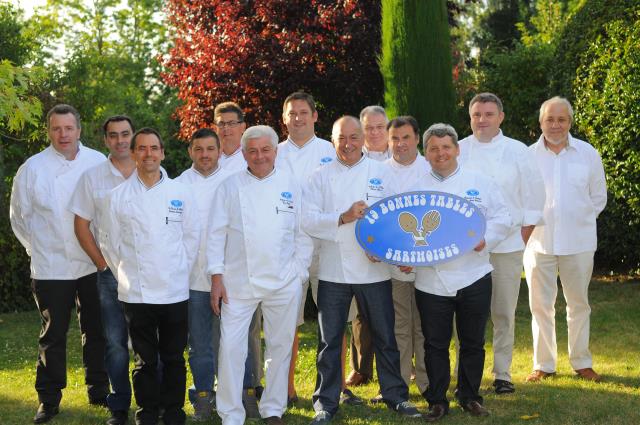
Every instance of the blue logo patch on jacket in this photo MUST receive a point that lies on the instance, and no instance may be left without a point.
(473, 192)
(286, 195)
(326, 160)
(176, 203)
(375, 181)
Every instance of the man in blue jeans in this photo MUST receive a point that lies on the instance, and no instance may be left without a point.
(88, 204)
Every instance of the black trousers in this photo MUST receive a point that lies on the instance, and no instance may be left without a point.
(55, 300)
(159, 331)
(471, 308)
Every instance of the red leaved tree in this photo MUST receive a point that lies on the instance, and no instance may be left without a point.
(256, 52)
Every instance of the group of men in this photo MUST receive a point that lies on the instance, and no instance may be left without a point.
(229, 247)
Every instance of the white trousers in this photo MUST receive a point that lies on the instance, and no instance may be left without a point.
(575, 271)
(408, 332)
(279, 313)
(505, 279)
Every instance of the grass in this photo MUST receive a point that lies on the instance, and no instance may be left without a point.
(615, 344)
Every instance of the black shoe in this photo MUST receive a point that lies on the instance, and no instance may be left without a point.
(503, 387)
(475, 408)
(347, 397)
(118, 417)
(45, 412)
(436, 412)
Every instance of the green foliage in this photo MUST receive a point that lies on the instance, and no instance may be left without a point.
(608, 113)
(416, 60)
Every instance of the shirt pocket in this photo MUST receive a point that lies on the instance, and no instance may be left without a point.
(578, 175)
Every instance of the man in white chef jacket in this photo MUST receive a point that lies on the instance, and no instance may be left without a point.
(336, 196)
(408, 167)
(229, 124)
(256, 254)
(63, 276)
(461, 287)
(204, 177)
(576, 190)
(512, 166)
(152, 239)
(301, 154)
(89, 204)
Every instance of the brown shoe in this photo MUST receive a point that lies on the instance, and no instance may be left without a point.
(274, 420)
(538, 375)
(436, 412)
(475, 409)
(588, 374)
(356, 379)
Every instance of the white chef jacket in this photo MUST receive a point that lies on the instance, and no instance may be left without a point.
(203, 187)
(332, 190)
(405, 177)
(377, 156)
(447, 278)
(512, 167)
(39, 216)
(303, 160)
(234, 162)
(151, 238)
(254, 238)
(576, 193)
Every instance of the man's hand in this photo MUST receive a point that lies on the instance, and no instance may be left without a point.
(372, 258)
(354, 213)
(218, 293)
(480, 246)
(525, 232)
(405, 269)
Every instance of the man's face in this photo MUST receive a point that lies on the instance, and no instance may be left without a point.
(260, 156)
(230, 130)
(299, 119)
(485, 120)
(375, 132)
(442, 154)
(64, 134)
(348, 140)
(147, 153)
(555, 123)
(404, 144)
(204, 153)
(118, 139)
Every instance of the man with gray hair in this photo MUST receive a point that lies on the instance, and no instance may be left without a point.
(512, 166)
(376, 136)
(461, 287)
(257, 255)
(576, 190)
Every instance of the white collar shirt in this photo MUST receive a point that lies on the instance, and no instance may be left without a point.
(447, 278)
(204, 188)
(576, 193)
(377, 156)
(40, 217)
(331, 191)
(513, 168)
(254, 239)
(151, 240)
(234, 162)
(304, 160)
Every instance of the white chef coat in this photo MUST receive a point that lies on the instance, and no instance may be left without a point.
(234, 162)
(512, 167)
(151, 238)
(405, 177)
(447, 278)
(204, 188)
(39, 215)
(576, 193)
(377, 156)
(331, 191)
(254, 238)
(303, 160)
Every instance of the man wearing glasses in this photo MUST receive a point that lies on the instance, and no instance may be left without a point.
(229, 124)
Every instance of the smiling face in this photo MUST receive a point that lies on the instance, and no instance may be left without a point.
(260, 156)
(555, 123)
(204, 153)
(64, 134)
(300, 120)
(404, 144)
(348, 140)
(118, 139)
(375, 132)
(486, 119)
(230, 129)
(442, 153)
(147, 153)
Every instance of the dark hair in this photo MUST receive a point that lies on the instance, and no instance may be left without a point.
(146, 130)
(63, 109)
(486, 98)
(300, 95)
(116, 118)
(229, 107)
(405, 120)
(201, 133)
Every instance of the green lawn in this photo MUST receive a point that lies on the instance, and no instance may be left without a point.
(615, 343)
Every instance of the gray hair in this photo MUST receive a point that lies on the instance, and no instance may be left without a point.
(553, 100)
(439, 130)
(373, 109)
(257, 132)
(486, 98)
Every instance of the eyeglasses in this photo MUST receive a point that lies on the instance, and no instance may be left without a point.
(230, 124)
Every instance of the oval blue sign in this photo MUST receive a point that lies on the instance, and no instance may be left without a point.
(286, 195)
(176, 203)
(420, 228)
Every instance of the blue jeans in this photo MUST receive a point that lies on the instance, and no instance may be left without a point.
(116, 357)
(204, 341)
(375, 305)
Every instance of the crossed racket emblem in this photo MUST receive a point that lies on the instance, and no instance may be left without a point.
(409, 223)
